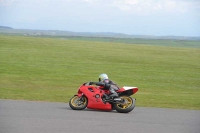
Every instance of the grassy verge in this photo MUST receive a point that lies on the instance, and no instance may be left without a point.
(53, 69)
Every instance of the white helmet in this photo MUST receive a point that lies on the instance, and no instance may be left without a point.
(103, 77)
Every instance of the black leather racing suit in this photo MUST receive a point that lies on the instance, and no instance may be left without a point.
(109, 85)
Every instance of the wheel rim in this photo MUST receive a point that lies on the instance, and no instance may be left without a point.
(77, 102)
(127, 103)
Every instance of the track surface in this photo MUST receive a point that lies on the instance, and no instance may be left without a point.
(47, 117)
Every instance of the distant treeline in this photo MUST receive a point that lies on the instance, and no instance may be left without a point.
(58, 33)
(5, 27)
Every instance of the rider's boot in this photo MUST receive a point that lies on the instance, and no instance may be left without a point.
(112, 95)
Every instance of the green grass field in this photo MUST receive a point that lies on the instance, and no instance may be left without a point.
(52, 69)
(154, 42)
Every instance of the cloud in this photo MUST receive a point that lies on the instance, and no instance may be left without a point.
(150, 6)
(153, 6)
(6, 2)
(128, 6)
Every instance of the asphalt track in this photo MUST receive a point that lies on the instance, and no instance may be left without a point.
(46, 117)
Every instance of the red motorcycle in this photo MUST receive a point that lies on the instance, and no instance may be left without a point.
(95, 97)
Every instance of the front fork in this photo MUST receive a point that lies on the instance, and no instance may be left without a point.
(81, 99)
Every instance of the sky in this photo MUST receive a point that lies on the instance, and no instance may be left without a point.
(132, 17)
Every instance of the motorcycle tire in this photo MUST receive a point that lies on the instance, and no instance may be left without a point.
(77, 103)
(127, 106)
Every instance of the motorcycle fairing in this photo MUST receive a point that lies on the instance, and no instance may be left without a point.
(128, 87)
(126, 90)
(94, 95)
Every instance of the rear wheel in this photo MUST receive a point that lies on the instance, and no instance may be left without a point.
(78, 103)
(126, 106)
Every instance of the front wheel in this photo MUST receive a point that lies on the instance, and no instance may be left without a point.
(126, 106)
(78, 103)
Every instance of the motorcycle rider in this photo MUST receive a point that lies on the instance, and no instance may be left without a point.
(108, 84)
